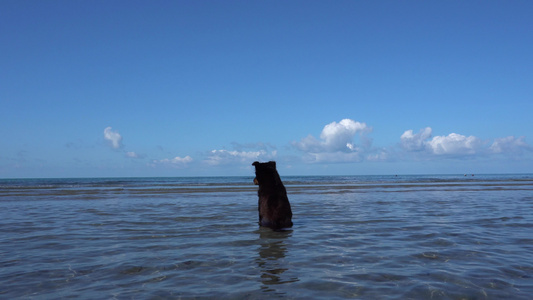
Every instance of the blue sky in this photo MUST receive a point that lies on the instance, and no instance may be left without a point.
(199, 88)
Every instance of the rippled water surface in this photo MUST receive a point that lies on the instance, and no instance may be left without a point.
(368, 237)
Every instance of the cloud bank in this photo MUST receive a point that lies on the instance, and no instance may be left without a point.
(336, 145)
(346, 141)
(459, 145)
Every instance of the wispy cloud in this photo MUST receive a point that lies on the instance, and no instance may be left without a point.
(132, 154)
(241, 154)
(113, 137)
(221, 157)
(253, 146)
(176, 162)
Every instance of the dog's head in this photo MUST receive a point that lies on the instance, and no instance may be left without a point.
(264, 172)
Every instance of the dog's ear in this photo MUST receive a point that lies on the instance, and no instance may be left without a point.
(272, 164)
(255, 163)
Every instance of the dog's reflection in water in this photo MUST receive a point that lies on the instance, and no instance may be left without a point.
(271, 260)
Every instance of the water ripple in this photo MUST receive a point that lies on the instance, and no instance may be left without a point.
(396, 239)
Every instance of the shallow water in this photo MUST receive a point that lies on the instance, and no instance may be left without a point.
(368, 237)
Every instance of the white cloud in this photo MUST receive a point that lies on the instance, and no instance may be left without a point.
(177, 162)
(415, 142)
(113, 137)
(335, 137)
(339, 136)
(510, 144)
(458, 145)
(452, 144)
(219, 157)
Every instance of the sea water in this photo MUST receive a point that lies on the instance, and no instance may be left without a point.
(366, 237)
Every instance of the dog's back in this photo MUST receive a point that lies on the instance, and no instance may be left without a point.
(273, 205)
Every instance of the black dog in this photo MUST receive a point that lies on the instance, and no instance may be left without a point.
(274, 207)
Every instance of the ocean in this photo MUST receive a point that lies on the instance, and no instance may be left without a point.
(362, 237)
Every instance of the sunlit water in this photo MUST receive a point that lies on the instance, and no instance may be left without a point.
(374, 237)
